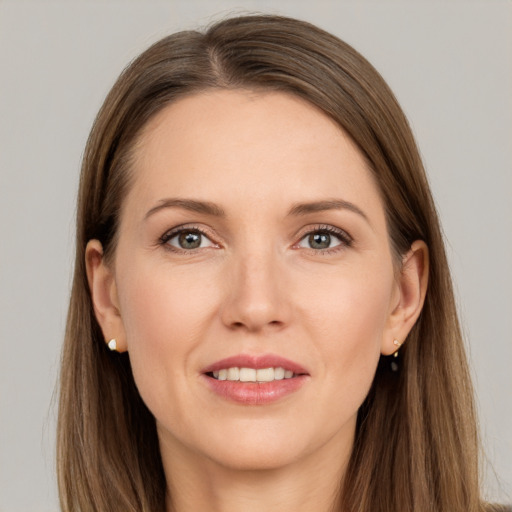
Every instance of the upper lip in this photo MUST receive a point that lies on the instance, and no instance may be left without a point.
(257, 362)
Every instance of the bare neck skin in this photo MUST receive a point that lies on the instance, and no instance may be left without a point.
(196, 484)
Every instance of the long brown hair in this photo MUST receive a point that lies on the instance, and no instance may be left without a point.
(416, 442)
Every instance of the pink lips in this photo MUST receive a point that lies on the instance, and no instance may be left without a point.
(255, 393)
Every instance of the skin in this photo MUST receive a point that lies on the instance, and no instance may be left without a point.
(255, 286)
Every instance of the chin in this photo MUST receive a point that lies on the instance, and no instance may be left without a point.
(259, 447)
(251, 458)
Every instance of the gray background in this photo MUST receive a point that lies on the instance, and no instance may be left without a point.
(449, 63)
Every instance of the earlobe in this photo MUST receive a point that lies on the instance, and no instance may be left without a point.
(412, 288)
(103, 290)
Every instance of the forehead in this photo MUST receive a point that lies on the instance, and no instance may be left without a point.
(222, 143)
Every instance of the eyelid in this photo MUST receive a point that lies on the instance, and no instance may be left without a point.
(343, 236)
(171, 233)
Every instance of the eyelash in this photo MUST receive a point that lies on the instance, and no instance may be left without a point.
(345, 239)
(169, 235)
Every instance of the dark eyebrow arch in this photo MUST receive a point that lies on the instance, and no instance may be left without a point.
(321, 206)
(208, 208)
(193, 205)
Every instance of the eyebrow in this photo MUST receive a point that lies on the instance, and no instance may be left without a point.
(299, 209)
(322, 206)
(193, 205)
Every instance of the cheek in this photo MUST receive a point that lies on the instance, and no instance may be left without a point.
(351, 305)
(164, 315)
(160, 304)
(347, 316)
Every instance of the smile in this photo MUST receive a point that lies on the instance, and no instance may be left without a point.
(255, 379)
(252, 374)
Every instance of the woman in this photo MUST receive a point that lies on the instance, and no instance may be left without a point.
(262, 312)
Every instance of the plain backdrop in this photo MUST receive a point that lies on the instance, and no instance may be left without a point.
(450, 65)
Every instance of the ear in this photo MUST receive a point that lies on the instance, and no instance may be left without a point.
(411, 289)
(103, 289)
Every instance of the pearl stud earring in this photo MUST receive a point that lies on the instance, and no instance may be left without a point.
(112, 344)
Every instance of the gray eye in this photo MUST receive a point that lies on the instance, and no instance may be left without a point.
(189, 240)
(319, 240)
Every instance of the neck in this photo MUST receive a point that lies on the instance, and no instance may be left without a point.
(196, 484)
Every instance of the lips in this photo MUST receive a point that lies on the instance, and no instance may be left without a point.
(254, 380)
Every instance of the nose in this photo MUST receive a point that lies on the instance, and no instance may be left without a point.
(257, 296)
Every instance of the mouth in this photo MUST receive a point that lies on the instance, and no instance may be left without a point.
(255, 380)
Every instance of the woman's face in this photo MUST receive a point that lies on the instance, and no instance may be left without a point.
(253, 237)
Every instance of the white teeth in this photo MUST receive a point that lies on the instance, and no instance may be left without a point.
(279, 373)
(253, 375)
(234, 373)
(247, 375)
(265, 375)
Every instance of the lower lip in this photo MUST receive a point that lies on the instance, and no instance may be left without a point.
(255, 393)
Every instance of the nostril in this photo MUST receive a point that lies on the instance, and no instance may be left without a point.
(243, 325)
